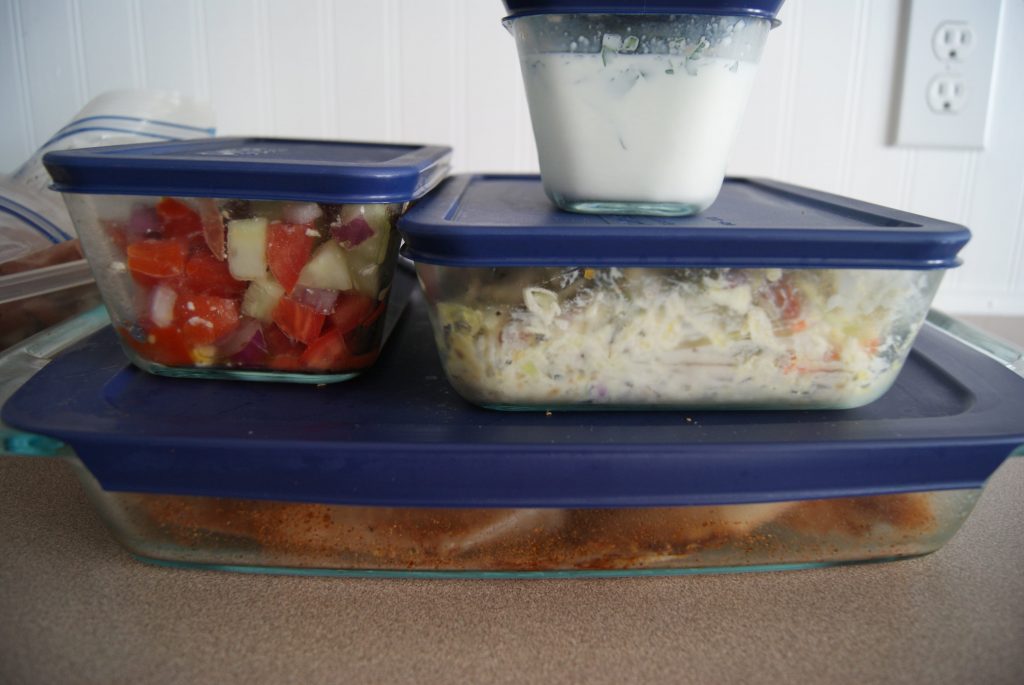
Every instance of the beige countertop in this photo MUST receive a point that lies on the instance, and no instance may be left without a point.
(76, 608)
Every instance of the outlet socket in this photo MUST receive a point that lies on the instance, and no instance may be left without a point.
(953, 41)
(948, 73)
(947, 94)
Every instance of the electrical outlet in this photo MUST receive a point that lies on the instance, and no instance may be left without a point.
(953, 40)
(947, 94)
(948, 72)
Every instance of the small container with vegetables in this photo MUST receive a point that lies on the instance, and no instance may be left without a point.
(777, 297)
(248, 258)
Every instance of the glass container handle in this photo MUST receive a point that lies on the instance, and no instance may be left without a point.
(20, 362)
(1006, 353)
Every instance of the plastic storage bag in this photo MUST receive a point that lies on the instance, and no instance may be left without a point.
(43, 277)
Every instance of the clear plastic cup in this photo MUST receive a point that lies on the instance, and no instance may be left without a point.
(634, 113)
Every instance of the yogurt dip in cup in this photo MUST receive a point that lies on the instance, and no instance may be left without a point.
(635, 113)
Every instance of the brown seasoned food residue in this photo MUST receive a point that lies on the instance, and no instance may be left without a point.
(335, 536)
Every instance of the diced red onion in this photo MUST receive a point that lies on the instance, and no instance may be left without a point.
(301, 212)
(353, 232)
(161, 306)
(238, 339)
(143, 223)
(254, 353)
(319, 299)
(213, 228)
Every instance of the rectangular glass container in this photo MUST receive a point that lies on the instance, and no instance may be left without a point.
(252, 534)
(253, 259)
(410, 480)
(779, 298)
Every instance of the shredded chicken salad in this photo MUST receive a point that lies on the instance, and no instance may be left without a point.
(680, 337)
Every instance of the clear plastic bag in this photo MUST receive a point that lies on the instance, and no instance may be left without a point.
(43, 277)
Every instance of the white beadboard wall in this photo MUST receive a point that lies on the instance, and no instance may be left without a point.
(445, 71)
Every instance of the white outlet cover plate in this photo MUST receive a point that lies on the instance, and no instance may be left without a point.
(920, 125)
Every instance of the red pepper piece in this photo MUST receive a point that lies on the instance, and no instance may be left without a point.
(298, 321)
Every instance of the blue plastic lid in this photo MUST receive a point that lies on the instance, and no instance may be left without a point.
(767, 9)
(491, 220)
(254, 168)
(399, 435)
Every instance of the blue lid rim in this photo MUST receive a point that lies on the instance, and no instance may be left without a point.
(471, 457)
(433, 237)
(129, 170)
(762, 9)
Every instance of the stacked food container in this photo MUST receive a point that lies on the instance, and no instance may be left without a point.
(769, 397)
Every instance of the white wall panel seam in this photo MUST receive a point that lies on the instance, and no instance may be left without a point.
(21, 58)
(328, 69)
(16, 99)
(265, 84)
(394, 100)
(968, 179)
(906, 179)
(854, 90)
(75, 27)
(460, 108)
(138, 44)
(968, 176)
(1016, 281)
(784, 155)
(201, 65)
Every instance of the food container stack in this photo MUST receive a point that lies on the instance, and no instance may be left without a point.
(771, 395)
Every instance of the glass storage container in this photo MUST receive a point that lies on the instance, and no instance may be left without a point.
(635, 105)
(778, 297)
(394, 474)
(245, 258)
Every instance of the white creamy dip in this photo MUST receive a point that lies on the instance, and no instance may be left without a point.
(635, 128)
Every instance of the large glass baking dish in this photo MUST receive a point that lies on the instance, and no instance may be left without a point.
(304, 535)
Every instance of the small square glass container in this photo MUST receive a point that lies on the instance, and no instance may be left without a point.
(245, 258)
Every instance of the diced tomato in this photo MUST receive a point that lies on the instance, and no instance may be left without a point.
(205, 274)
(213, 228)
(351, 309)
(162, 345)
(329, 352)
(325, 353)
(279, 344)
(205, 318)
(365, 337)
(170, 209)
(156, 258)
(786, 299)
(298, 321)
(178, 219)
(288, 249)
